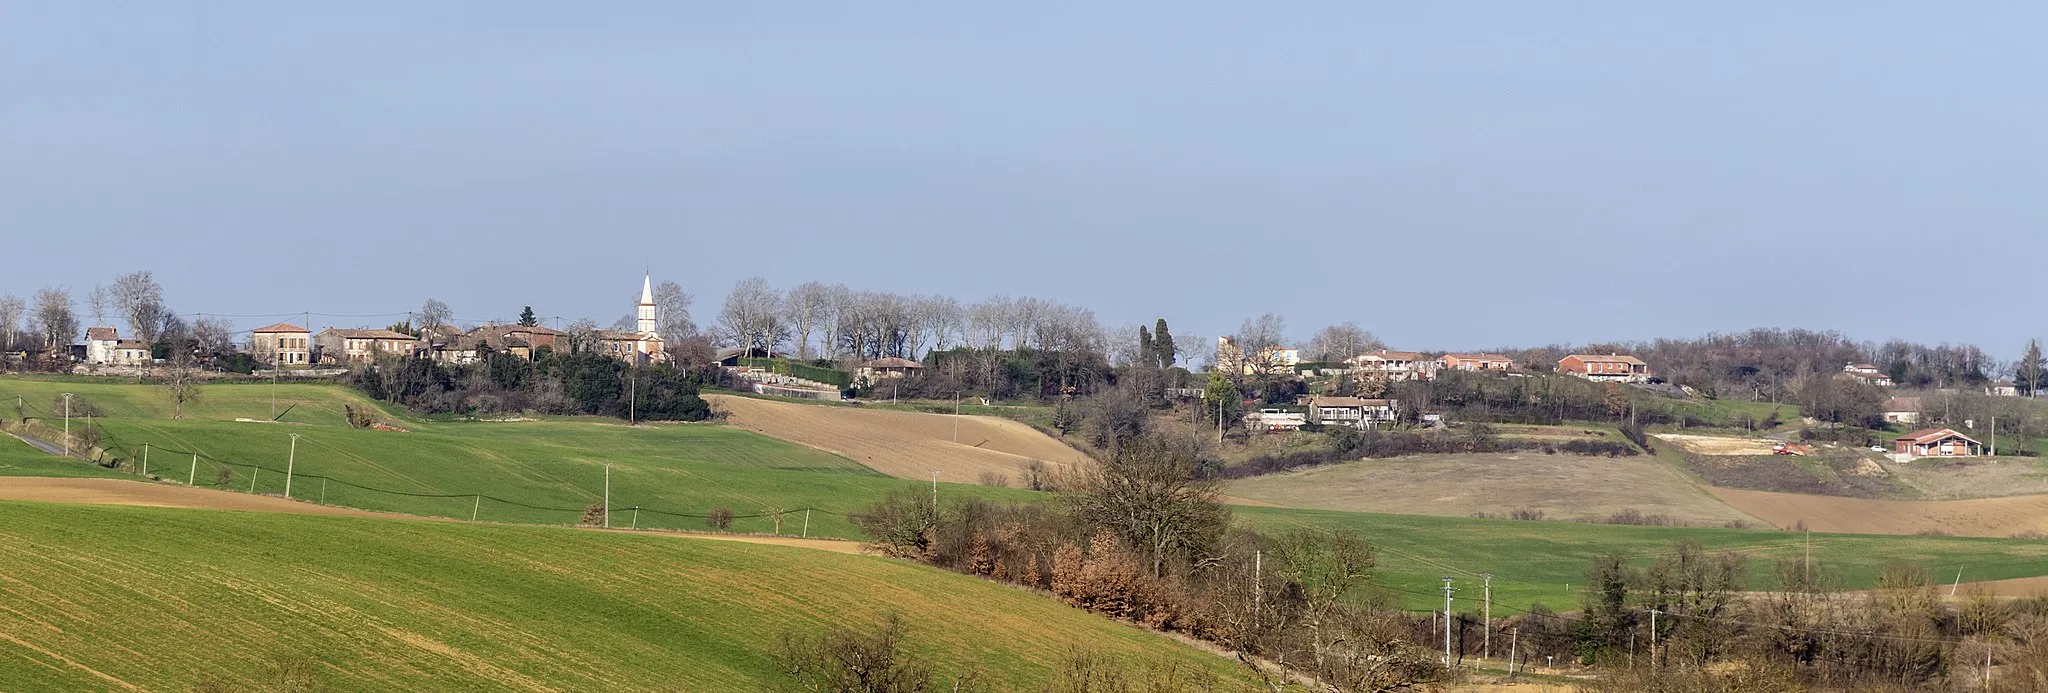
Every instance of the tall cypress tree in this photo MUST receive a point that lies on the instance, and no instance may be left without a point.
(1162, 345)
(1145, 347)
(527, 318)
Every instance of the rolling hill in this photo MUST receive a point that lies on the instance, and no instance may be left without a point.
(121, 598)
(544, 471)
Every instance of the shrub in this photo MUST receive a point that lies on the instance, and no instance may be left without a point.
(593, 515)
(721, 518)
(995, 479)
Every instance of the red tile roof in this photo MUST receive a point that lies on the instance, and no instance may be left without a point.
(1931, 435)
(1608, 358)
(102, 334)
(354, 333)
(280, 327)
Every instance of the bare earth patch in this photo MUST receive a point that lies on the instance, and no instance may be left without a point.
(1984, 517)
(900, 443)
(1719, 445)
(1562, 486)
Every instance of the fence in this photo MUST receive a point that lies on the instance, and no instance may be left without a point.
(200, 469)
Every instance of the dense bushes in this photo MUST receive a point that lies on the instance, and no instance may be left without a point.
(501, 383)
(1351, 444)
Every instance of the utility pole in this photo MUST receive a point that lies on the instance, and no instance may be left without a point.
(1514, 645)
(1486, 651)
(632, 401)
(145, 459)
(67, 424)
(193, 475)
(1447, 621)
(935, 491)
(1653, 641)
(1258, 582)
(289, 461)
(956, 423)
(607, 495)
(273, 392)
(474, 508)
(807, 523)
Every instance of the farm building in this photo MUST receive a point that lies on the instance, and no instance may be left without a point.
(890, 367)
(1476, 362)
(1274, 420)
(1609, 368)
(2002, 388)
(1937, 442)
(1905, 410)
(1396, 365)
(1355, 412)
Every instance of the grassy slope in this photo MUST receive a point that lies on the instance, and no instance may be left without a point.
(19, 459)
(683, 468)
(1533, 561)
(161, 598)
(697, 467)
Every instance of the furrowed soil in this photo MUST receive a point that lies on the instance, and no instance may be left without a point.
(1719, 445)
(903, 444)
(1984, 517)
(1561, 486)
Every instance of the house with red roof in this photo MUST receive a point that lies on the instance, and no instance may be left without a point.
(1937, 442)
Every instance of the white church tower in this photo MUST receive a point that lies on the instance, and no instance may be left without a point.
(646, 315)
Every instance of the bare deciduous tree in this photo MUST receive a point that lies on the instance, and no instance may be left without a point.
(672, 311)
(1337, 343)
(808, 309)
(56, 324)
(213, 335)
(432, 314)
(12, 310)
(181, 376)
(752, 316)
(138, 297)
(96, 303)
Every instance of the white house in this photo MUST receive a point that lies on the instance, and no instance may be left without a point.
(1396, 365)
(100, 343)
(1356, 412)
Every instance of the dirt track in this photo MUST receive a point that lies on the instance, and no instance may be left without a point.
(903, 444)
(124, 492)
(1984, 517)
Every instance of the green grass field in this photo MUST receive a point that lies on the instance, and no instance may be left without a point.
(557, 464)
(164, 599)
(693, 468)
(19, 459)
(1535, 561)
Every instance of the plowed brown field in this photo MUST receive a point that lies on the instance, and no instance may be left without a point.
(900, 443)
(1983, 517)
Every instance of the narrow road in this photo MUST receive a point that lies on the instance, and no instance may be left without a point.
(40, 444)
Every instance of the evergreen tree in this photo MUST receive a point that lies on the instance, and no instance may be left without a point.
(2031, 372)
(1145, 348)
(527, 318)
(1162, 345)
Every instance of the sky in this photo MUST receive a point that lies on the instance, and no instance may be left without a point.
(1447, 175)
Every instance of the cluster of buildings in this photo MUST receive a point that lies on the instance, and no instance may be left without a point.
(1398, 366)
(285, 345)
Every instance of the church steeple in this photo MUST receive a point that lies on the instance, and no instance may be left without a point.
(646, 307)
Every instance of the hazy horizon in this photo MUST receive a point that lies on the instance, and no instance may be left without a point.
(1448, 178)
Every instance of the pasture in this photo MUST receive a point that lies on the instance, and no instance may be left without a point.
(1559, 486)
(547, 471)
(1547, 561)
(114, 598)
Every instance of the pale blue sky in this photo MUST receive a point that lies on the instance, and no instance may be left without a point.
(1449, 175)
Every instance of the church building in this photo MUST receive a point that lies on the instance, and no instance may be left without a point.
(643, 346)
